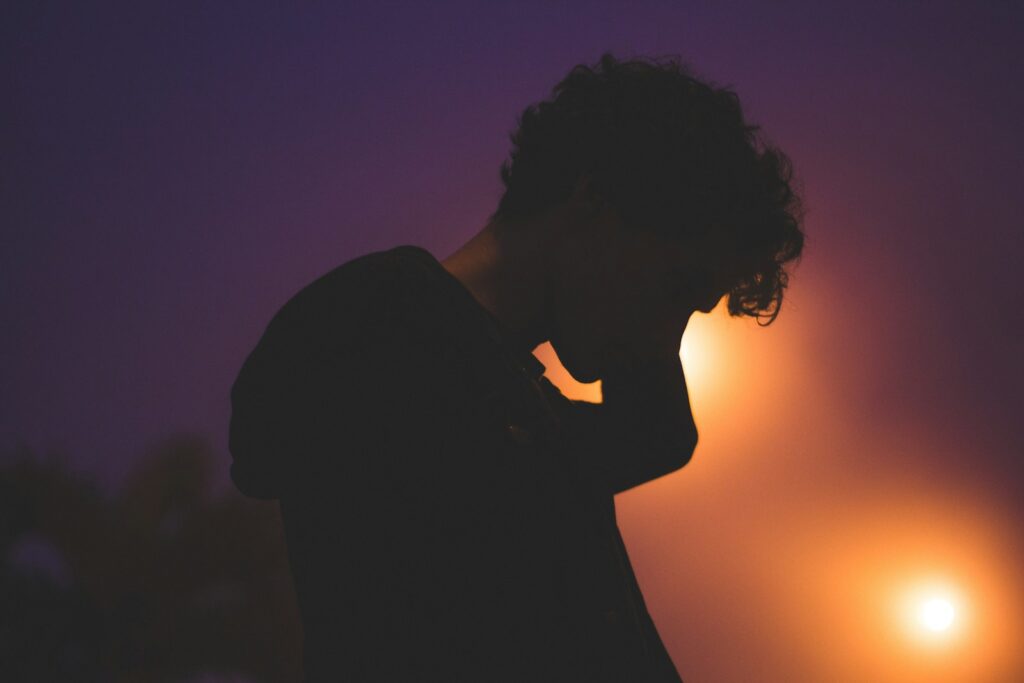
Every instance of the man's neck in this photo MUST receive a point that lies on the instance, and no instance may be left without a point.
(504, 270)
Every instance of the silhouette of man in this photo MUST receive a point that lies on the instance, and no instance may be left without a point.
(449, 514)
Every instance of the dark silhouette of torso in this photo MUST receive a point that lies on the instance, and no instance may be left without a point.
(443, 513)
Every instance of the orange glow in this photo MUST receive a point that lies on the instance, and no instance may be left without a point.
(932, 612)
(936, 614)
(809, 531)
(703, 352)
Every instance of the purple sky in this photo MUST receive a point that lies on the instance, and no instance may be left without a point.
(170, 177)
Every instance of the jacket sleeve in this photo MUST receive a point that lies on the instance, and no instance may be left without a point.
(311, 389)
(278, 403)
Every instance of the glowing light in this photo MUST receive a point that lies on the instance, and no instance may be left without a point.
(699, 353)
(936, 614)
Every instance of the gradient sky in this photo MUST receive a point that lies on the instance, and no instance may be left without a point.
(172, 175)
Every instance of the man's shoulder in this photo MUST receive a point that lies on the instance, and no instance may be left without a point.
(368, 295)
(349, 288)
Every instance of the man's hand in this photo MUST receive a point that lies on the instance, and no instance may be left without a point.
(644, 428)
(649, 392)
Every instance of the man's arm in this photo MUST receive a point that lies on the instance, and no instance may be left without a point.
(644, 428)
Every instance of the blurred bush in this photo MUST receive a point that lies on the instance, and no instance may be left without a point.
(161, 581)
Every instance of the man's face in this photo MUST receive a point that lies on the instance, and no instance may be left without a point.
(619, 293)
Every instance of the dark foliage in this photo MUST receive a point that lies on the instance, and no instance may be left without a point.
(161, 582)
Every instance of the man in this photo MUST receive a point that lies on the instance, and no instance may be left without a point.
(449, 514)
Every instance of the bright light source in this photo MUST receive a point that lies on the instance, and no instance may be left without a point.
(700, 353)
(936, 614)
(933, 611)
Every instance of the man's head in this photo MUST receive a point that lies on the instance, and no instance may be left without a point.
(651, 198)
(613, 292)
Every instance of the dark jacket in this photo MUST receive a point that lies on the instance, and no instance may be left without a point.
(448, 513)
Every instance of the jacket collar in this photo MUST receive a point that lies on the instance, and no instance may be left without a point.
(521, 358)
(507, 375)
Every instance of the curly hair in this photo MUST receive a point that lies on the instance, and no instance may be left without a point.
(670, 153)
